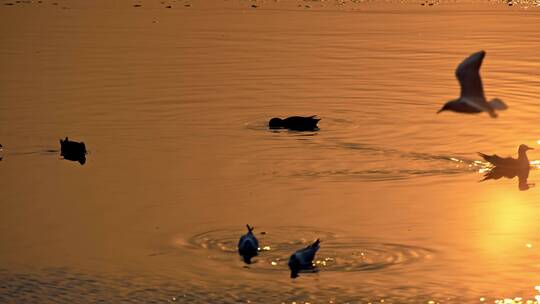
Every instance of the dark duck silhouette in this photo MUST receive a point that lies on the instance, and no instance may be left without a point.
(72, 150)
(295, 123)
(507, 162)
(248, 245)
(472, 98)
(510, 167)
(303, 259)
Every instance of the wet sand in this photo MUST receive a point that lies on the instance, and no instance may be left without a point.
(172, 104)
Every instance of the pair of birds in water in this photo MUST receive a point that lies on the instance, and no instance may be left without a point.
(472, 100)
(302, 259)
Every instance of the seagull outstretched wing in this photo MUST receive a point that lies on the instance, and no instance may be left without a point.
(468, 74)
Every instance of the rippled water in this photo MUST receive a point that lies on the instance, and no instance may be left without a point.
(172, 104)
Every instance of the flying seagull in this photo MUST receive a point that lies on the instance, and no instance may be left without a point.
(472, 98)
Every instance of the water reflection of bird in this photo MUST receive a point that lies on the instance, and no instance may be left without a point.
(72, 150)
(521, 162)
(248, 245)
(472, 98)
(295, 123)
(303, 259)
(522, 174)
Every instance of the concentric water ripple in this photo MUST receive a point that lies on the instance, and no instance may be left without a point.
(336, 253)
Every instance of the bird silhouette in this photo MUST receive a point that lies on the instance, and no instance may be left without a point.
(72, 150)
(248, 245)
(507, 162)
(303, 259)
(295, 123)
(472, 98)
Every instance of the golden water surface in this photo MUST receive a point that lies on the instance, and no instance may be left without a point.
(172, 104)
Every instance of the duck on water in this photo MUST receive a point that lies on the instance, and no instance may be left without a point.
(510, 167)
(295, 123)
(303, 259)
(248, 245)
(72, 150)
(522, 162)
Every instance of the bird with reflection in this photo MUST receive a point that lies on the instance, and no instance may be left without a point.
(248, 245)
(510, 167)
(303, 259)
(472, 99)
(508, 162)
(295, 123)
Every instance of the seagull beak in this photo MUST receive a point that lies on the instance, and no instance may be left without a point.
(529, 148)
(442, 109)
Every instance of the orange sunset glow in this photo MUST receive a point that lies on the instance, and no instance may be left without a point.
(265, 151)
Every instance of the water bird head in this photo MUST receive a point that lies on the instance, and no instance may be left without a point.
(524, 148)
(275, 123)
(447, 106)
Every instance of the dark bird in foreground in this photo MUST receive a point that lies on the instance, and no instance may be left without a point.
(303, 259)
(472, 98)
(521, 162)
(72, 150)
(248, 245)
(295, 123)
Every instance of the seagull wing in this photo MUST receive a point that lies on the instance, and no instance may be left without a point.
(468, 74)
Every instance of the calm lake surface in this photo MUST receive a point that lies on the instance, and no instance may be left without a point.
(173, 104)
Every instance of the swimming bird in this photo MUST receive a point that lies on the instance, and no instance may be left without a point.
(248, 245)
(472, 98)
(295, 123)
(72, 150)
(521, 162)
(303, 259)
